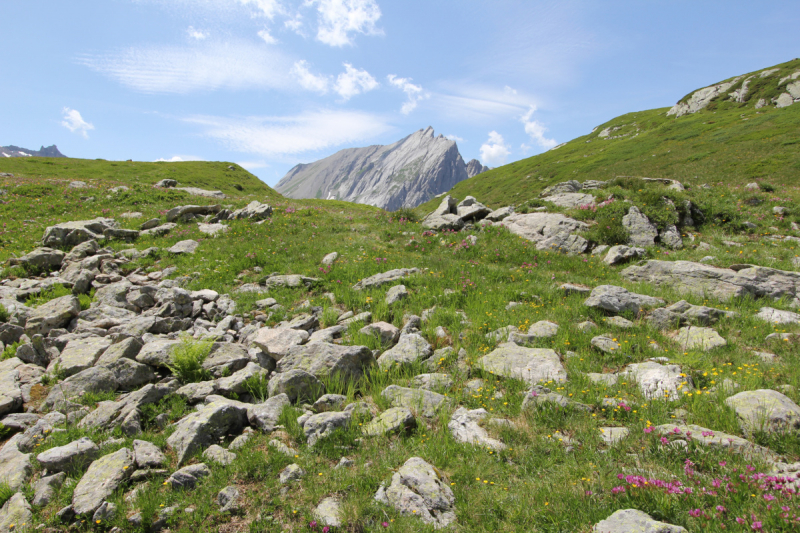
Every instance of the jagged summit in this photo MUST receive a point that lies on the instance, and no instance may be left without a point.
(404, 174)
(16, 151)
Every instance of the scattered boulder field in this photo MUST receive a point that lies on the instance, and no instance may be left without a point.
(126, 385)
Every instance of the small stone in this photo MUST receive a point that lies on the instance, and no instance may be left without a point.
(228, 499)
(633, 520)
(393, 420)
(293, 472)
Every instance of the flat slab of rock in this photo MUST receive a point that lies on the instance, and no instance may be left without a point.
(323, 424)
(80, 354)
(698, 338)
(717, 439)
(15, 513)
(328, 512)
(323, 359)
(658, 381)
(721, 283)
(56, 313)
(570, 199)
(765, 410)
(633, 520)
(188, 246)
(612, 435)
(543, 329)
(418, 490)
(527, 364)
(424, 402)
(147, 454)
(385, 277)
(76, 232)
(465, 427)
(409, 349)
(618, 299)
(104, 476)
(776, 316)
(265, 415)
(194, 191)
(538, 227)
(622, 254)
(290, 280)
(188, 476)
(74, 455)
(276, 342)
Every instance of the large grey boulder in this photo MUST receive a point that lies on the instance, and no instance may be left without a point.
(321, 425)
(237, 382)
(471, 210)
(383, 278)
(699, 338)
(147, 454)
(72, 233)
(131, 375)
(265, 415)
(328, 512)
(565, 187)
(622, 254)
(158, 353)
(56, 313)
(205, 427)
(277, 341)
(765, 410)
(409, 349)
(324, 359)
(225, 358)
(385, 332)
(45, 488)
(15, 514)
(255, 210)
(465, 427)
(95, 379)
(540, 227)
(424, 402)
(671, 237)
(181, 212)
(72, 456)
(290, 281)
(188, 476)
(527, 364)
(44, 259)
(418, 490)
(717, 439)
(657, 381)
(641, 231)
(570, 200)
(187, 246)
(104, 476)
(630, 520)
(720, 283)
(392, 420)
(15, 466)
(618, 300)
(297, 385)
(80, 354)
(396, 294)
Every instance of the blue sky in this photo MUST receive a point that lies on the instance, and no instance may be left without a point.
(272, 83)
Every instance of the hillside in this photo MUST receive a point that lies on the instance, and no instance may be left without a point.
(728, 141)
(402, 174)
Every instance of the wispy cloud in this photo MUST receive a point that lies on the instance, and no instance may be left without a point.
(282, 136)
(267, 37)
(414, 93)
(74, 122)
(309, 81)
(469, 101)
(495, 151)
(354, 81)
(339, 19)
(454, 138)
(207, 66)
(536, 130)
(196, 34)
(179, 159)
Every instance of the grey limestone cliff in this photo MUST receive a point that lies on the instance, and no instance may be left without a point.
(404, 174)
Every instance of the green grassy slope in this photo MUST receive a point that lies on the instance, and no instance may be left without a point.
(727, 142)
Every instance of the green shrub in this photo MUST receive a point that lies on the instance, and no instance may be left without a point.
(173, 405)
(406, 214)
(256, 386)
(187, 360)
(330, 317)
(766, 187)
(9, 351)
(5, 431)
(90, 399)
(609, 229)
(86, 300)
(4, 314)
(56, 291)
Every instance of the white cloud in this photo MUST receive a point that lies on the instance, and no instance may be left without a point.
(253, 165)
(264, 8)
(208, 66)
(308, 80)
(494, 151)
(465, 100)
(454, 138)
(179, 159)
(536, 130)
(196, 34)
(266, 37)
(74, 122)
(353, 81)
(339, 18)
(295, 24)
(413, 92)
(281, 136)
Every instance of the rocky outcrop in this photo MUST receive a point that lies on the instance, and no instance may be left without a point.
(404, 174)
(474, 167)
(418, 490)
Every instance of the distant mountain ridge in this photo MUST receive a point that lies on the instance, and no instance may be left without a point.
(404, 174)
(16, 151)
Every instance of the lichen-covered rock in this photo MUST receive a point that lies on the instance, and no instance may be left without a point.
(80, 354)
(432, 381)
(147, 454)
(543, 329)
(218, 454)
(641, 231)
(45, 488)
(777, 316)
(659, 381)
(527, 364)
(265, 415)
(277, 341)
(323, 424)
(74, 455)
(76, 232)
(56, 313)
(95, 379)
(297, 385)
(293, 472)
(104, 476)
(465, 427)
(633, 520)
(621, 254)
(718, 439)
(393, 420)
(188, 476)
(15, 515)
(396, 294)
(323, 359)
(539, 227)
(383, 278)
(765, 410)
(417, 489)
(618, 299)
(15, 466)
(387, 333)
(409, 349)
(158, 353)
(698, 338)
(204, 427)
(424, 402)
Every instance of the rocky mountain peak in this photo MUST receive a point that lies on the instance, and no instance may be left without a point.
(16, 151)
(403, 174)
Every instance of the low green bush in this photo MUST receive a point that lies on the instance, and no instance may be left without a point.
(256, 386)
(609, 229)
(4, 314)
(187, 360)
